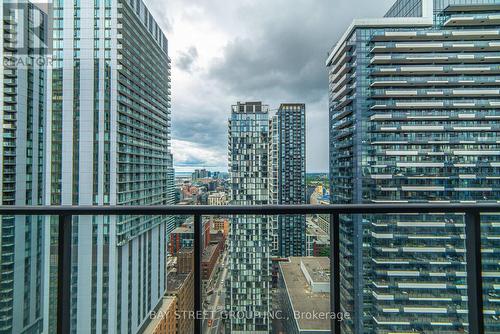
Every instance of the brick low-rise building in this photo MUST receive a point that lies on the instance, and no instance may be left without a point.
(185, 260)
(209, 259)
(217, 237)
(183, 237)
(181, 286)
(163, 320)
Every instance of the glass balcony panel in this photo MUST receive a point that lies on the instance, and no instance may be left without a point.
(490, 248)
(404, 272)
(26, 271)
(398, 272)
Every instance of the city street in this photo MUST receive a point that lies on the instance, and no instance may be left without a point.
(216, 299)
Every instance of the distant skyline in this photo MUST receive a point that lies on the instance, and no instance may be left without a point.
(250, 50)
(191, 169)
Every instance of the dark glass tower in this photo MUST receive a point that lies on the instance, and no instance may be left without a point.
(266, 166)
(22, 141)
(414, 118)
(288, 176)
(249, 280)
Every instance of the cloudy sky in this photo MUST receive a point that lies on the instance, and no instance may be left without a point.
(273, 51)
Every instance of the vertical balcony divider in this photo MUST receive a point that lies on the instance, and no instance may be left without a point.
(474, 271)
(198, 320)
(335, 271)
(64, 274)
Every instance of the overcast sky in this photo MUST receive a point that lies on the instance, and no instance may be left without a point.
(273, 51)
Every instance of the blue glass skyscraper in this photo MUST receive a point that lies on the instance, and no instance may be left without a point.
(414, 118)
(288, 176)
(23, 36)
(266, 166)
(109, 144)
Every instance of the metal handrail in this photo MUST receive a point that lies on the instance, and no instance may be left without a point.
(207, 210)
(472, 230)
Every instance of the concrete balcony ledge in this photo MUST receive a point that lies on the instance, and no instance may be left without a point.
(433, 59)
(345, 90)
(436, 70)
(436, 47)
(341, 82)
(444, 93)
(472, 20)
(447, 35)
(423, 81)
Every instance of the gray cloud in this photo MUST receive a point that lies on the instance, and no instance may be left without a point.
(204, 129)
(284, 52)
(275, 52)
(192, 161)
(186, 59)
(279, 63)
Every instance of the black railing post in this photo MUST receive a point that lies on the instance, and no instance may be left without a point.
(474, 271)
(198, 248)
(335, 272)
(64, 275)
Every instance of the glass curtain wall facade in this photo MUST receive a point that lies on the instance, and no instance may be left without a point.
(274, 158)
(23, 34)
(414, 118)
(405, 8)
(109, 144)
(288, 176)
(250, 240)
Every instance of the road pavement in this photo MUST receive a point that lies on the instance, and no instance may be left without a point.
(215, 303)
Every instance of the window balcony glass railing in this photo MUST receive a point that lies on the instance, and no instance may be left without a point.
(273, 269)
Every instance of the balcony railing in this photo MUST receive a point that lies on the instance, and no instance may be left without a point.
(471, 212)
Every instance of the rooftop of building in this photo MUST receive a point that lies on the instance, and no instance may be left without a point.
(175, 281)
(217, 194)
(250, 107)
(216, 232)
(313, 229)
(150, 24)
(209, 252)
(426, 20)
(185, 250)
(167, 303)
(302, 298)
(317, 267)
(292, 104)
(186, 228)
